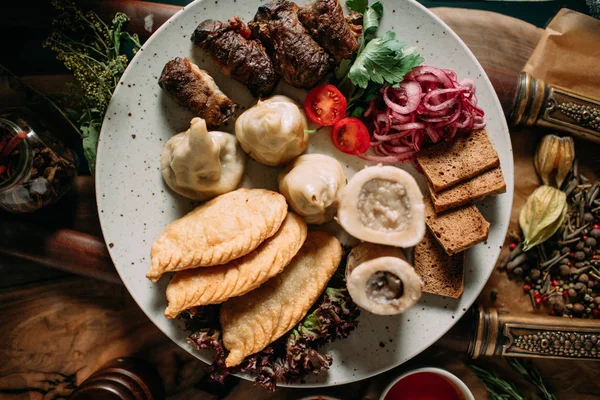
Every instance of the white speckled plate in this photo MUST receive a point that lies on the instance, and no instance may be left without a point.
(135, 204)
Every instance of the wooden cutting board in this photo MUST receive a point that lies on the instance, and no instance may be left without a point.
(57, 329)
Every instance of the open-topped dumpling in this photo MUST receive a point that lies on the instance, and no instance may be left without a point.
(273, 132)
(311, 186)
(200, 165)
(383, 205)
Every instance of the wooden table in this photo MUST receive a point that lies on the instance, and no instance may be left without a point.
(58, 328)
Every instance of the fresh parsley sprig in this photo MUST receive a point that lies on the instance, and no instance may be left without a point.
(380, 61)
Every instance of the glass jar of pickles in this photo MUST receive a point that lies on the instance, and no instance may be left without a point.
(36, 169)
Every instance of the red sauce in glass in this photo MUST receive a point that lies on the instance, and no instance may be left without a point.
(424, 386)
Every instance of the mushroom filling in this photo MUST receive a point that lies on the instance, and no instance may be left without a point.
(383, 205)
(383, 287)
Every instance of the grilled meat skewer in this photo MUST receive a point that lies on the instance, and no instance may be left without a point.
(325, 21)
(195, 89)
(238, 56)
(296, 56)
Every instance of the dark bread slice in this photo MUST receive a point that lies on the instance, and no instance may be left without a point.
(441, 274)
(447, 164)
(458, 229)
(490, 183)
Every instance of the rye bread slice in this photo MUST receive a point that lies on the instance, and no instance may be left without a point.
(458, 229)
(441, 274)
(489, 183)
(447, 164)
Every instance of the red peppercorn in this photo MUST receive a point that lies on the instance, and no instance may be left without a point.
(570, 263)
(554, 282)
(571, 254)
(596, 226)
(513, 246)
(536, 294)
(545, 299)
(552, 312)
(585, 237)
(526, 288)
(538, 300)
(596, 312)
(565, 294)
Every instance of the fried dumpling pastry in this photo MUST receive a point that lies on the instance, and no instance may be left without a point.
(218, 231)
(253, 321)
(200, 165)
(203, 286)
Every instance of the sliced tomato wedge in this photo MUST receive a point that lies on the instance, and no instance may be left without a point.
(325, 105)
(351, 136)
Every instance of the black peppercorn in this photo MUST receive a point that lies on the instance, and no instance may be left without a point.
(564, 261)
(583, 278)
(572, 292)
(518, 271)
(595, 233)
(578, 309)
(565, 250)
(535, 274)
(588, 251)
(564, 270)
(588, 217)
(591, 242)
(579, 255)
(578, 265)
(580, 287)
(597, 300)
(580, 245)
(559, 307)
(526, 266)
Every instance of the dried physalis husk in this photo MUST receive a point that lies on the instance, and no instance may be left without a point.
(542, 215)
(554, 159)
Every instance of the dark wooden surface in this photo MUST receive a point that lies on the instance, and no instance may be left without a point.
(58, 328)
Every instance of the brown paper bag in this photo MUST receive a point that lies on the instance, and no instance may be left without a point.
(568, 53)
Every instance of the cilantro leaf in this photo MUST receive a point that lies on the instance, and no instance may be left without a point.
(371, 18)
(382, 61)
(360, 6)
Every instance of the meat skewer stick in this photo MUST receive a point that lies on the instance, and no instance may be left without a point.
(195, 89)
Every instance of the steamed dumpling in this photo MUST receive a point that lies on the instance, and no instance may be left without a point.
(273, 132)
(200, 165)
(311, 185)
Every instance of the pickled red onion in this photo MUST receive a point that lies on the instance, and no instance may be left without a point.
(428, 103)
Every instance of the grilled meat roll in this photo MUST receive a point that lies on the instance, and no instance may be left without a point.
(299, 60)
(325, 21)
(238, 56)
(196, 90)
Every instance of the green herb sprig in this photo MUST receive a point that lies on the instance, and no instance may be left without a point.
(94, 52)
(500, 389)
(380, 61)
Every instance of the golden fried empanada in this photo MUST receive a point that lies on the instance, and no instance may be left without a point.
(218, 231)
(252, 321)
(202, 286)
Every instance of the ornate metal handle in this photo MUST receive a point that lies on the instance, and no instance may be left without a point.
(509, 335)
(538, 103)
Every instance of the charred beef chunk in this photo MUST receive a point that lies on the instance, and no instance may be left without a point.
(238, 56)
(196, 90)
(325, 21)
(299, 60)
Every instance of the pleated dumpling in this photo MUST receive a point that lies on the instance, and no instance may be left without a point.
(200, 165)
(311, 184)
